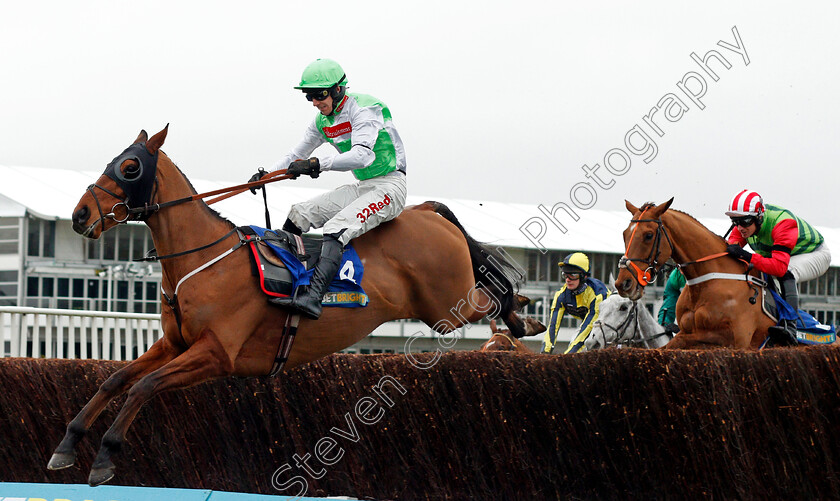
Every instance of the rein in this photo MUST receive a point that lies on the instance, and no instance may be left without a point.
(702, 260)
(645, 340)
(653, 265)
(143, 212)
(182, 253)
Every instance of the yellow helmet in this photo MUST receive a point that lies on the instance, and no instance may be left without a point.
(576, 262)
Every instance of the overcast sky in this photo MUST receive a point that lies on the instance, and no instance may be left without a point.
(501, 101)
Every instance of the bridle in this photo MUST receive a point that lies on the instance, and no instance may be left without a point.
(140, 182)
(505, 334)
(131, 213)
(644, 277)
(621, 331)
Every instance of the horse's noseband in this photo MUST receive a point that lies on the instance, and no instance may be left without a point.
(646, 276)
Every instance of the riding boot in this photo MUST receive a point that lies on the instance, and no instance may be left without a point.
(786, 331)
(309, 300)
(789, 291)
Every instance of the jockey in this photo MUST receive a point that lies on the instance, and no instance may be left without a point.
(668, 310)
(581, 297)
(785, 246)
(359, 127)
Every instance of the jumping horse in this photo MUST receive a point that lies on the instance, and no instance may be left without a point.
(622, 321)
(721, 303)
(216, 321)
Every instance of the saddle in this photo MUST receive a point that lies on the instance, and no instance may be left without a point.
(768, 303)
(276, 278)
(282, 261)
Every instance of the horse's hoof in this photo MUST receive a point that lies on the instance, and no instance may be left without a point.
(99, 476)
(61, 460)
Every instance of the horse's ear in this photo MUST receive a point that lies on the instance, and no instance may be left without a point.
(661, 208)
(142, 137)
(521, 301)
(630, 207)
(154, 144)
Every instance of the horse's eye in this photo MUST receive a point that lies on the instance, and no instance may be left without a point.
(648, 237)
(623, 307)
(132, 171)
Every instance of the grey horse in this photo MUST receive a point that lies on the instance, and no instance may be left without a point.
(622, 322)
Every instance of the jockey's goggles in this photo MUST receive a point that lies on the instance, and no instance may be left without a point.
(744, 221)
(571, 276)
(319, 94)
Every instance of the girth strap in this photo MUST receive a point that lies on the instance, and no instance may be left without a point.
(287, 338)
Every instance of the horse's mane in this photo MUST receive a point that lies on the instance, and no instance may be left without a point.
(648, 205)
(701, 224)
(212, 212)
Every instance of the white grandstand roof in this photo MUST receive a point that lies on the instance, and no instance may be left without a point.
(53, 193)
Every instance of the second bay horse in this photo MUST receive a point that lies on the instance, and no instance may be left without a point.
(502, 340)
(217, 322)
(720, 310)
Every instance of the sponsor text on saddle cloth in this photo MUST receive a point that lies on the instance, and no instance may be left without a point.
(808, 329)
(345, 290)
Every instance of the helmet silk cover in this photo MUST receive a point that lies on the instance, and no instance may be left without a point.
(746, 203)
(322, 74)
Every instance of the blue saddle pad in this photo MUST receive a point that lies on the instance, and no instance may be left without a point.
(345, 290)
(808, 329)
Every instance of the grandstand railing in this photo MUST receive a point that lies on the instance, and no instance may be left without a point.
(55, 333)
(94, 334)
(85, 334)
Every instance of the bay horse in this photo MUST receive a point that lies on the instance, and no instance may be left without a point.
(622, 321)
(721, 303)
(217, 322)
(502, 340)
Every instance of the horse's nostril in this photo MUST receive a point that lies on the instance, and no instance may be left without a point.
(81, 216)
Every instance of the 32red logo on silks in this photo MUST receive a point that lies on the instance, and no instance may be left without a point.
(373, 208)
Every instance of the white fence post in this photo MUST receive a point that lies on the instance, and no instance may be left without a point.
(106, 335)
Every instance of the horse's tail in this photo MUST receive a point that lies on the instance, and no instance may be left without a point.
(493, 272)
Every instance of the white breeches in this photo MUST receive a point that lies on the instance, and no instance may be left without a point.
(355, 208)
(809, 266)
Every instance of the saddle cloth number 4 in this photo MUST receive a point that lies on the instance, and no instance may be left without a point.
(348, 272)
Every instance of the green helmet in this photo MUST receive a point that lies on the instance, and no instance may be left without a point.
(322, 74)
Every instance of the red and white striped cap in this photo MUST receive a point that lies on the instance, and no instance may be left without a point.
(746, 203)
